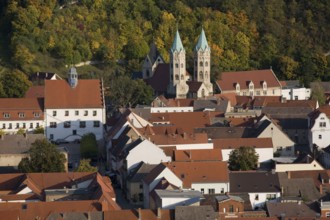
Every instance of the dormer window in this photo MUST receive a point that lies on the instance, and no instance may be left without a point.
(251, 86)
(6, 115)
(237, 87)
(264, 85)
(36, 114)
(21, 115)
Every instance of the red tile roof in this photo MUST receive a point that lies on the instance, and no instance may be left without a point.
(199, 172)
(28, 106)
(228, 80)
(185, 120)
(35, 92)
(198, 155)
(59, 94)
(233, 143)
(178, 139)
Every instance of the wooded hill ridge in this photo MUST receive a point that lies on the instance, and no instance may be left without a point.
(290, 36)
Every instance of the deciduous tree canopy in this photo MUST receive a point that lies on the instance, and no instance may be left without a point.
(243, 158)
(43, 157)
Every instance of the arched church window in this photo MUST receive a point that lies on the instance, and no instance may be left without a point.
(176, 65)
(201, 63)
(200, 75)
(206, 64)
(176, 76)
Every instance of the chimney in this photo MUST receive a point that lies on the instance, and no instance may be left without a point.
(139, 214)
(159, 212)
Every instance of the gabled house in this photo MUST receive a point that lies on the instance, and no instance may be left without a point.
(260, 186)
(266, 128)
(151, 61)
(319, 125)
(229, 205)
(169, 199)
(250, 83)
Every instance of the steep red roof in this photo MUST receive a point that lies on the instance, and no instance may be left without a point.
(87, 94)
(35, 92)
(229, 79)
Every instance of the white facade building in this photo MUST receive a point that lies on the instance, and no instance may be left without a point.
(296, 93)
(320, 129)
(74, 108)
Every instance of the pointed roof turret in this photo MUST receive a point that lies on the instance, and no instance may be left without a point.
(202, 42)
(177, 44)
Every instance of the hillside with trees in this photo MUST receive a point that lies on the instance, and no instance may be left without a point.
(290, 36)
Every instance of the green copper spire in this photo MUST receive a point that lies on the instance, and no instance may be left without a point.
(202, 42)
(177, 44)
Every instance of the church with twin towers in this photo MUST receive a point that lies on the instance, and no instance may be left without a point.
(172, 79)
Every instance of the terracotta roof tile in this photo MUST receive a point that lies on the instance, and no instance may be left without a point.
(229, 79)
(35, 92)
(178, 139)
(233, 143)
(198, 155)
(199, 172)
(15, 106)
(87, 94)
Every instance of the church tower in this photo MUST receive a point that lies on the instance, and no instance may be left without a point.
(178, 85)
(202, 62)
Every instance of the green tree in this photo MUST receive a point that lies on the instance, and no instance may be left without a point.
(243, 158)
(88, 146)
(15, 84)
(318, 94)
(136, 92)
(43, 157)
(85, 166)
(39, 130)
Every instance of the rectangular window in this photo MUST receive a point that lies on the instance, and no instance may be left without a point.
(231, 208)
(3, 126)
(295, 97)
(17, 125)
(211, 191)
(66, 113)
(74, 132)
(54, 113)
(273, 91)
(222, 190)
(265, 92)
(85, 113)
(320, 136)
(21, 115)
(202, 190)
(76, 113)
(256, 197)
(53, 124)
(51, 136)
(6, 115)
(323, 124)
(37, 125)
(10, 126)
(258, 92)
(82, 124)
(24, 125)
(96, 124)
(94, 113)
(36, 114)
(31, 125)
(67, 124)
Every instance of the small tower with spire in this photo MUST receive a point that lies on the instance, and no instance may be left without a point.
(178, 85)
(73, 77)
(202, 62)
